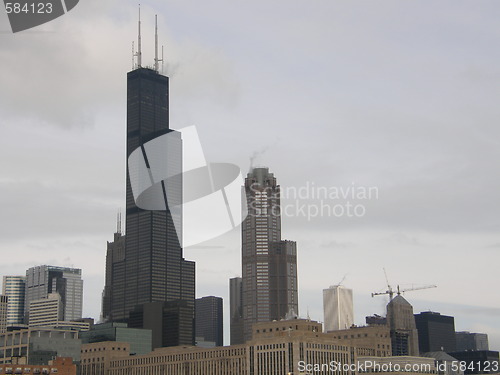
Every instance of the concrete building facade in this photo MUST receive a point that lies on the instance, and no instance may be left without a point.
(404, 335)
(59, 366)
(3, 313)
(96, 357)
(39, 345)
(276, 348)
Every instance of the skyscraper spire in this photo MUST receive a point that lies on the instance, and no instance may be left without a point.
(119, 222)
(156, 43)
(139, 50)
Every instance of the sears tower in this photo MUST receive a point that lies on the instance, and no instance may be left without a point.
(148, 282)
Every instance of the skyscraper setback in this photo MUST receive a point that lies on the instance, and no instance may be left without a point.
(269, 265)
(146, 265)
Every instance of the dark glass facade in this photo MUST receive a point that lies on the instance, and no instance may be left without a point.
(236, 310)
(209, 320)
(436, 332)
(171, 322)
(149, 267)
(139, 339)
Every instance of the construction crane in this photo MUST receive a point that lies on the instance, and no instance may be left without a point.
(391, 292)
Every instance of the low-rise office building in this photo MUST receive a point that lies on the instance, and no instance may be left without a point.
(95, 358)
(39, 345)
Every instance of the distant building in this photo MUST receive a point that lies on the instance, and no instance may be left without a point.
(269, 265)
(404, 335)
(44, 280)
(471, 341)
(14, 288)
(36, 346)
(209, 320)
(478, 361)
(236, 311)
(3, 313)
(338, 308)
(138, 339)
(436, 332)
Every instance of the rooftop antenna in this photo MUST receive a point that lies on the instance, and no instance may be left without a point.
(156, 46)
(133, 56)
(119, 223)
(162, 60)
(139, 51)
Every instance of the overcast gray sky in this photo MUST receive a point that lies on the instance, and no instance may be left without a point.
(401, 96)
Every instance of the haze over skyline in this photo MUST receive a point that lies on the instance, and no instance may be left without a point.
(397, 96)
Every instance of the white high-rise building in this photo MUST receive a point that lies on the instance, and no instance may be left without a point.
(46, 312)
(14, 288)
(338, 308)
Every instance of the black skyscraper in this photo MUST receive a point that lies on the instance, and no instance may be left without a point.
(435, 332)
(209, 320)
(150, 267)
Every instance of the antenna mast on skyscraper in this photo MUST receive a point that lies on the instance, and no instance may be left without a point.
(156, 47)
(139, 50)
(119, 222)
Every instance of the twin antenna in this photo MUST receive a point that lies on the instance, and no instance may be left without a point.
(138, 54)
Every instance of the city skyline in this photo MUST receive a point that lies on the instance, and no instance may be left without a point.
(394, 97)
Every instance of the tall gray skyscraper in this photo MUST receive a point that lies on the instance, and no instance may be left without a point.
(236, 310)
(14, 288)
(146, 266)
(269, 265)
(338, 308)
(43, 280)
